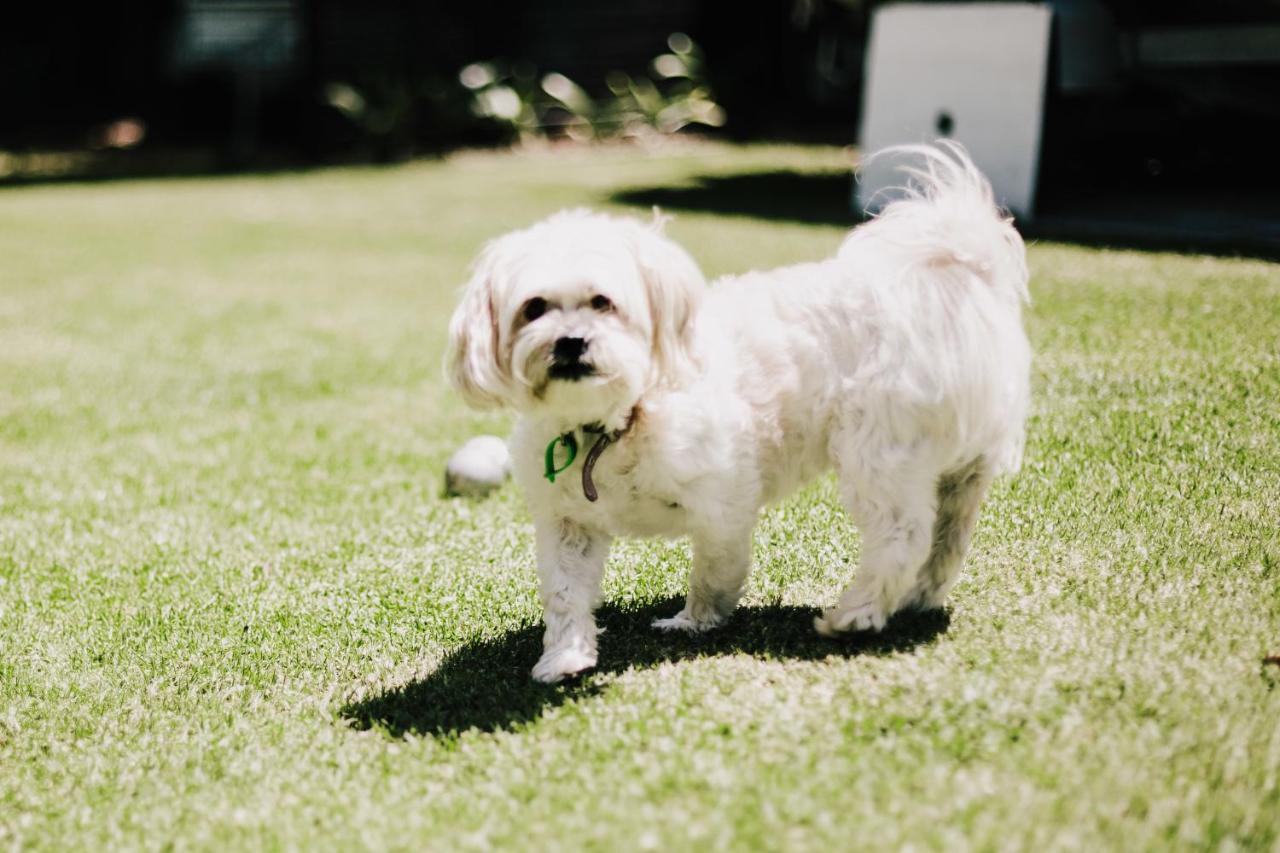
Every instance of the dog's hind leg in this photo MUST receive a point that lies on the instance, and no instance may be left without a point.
(570, 562)
(894, 508)
(721, 563)
(960, 495)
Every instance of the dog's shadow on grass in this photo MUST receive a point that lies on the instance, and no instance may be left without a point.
(485, 685)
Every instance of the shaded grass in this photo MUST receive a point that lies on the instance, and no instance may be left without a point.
(236, 611)
(482, 684)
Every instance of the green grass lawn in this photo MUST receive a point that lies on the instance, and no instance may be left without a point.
(236, 611)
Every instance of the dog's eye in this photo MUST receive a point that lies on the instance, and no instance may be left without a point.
(534, 308)
(601, 303)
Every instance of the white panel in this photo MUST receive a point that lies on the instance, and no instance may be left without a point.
(983, 65)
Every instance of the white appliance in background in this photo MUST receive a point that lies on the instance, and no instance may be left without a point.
(972, 72)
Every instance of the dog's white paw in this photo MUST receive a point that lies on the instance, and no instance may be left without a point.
(558, 664)
(688, 623)
(863, 617)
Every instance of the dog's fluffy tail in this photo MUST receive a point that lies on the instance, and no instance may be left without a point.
(946, 272)
(946, 215)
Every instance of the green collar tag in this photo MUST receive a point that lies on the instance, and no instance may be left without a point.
(570, 444)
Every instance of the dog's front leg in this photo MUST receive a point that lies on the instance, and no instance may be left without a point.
(721, 563)
(570, 562)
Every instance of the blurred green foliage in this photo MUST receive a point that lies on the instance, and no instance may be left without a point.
(504, 100)
(674, 96)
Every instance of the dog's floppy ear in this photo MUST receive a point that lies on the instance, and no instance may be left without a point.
(473, 360)
(675, 286)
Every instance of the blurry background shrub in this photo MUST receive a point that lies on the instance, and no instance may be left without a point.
(271, 83)
(385, 117)
(629, 106)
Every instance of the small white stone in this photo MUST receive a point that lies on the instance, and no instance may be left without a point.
(478, 467)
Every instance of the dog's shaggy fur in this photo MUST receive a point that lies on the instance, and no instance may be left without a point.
(901, 362)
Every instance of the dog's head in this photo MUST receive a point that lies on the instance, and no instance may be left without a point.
(578, 316)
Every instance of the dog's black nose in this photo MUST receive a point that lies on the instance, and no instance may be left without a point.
(569, 349)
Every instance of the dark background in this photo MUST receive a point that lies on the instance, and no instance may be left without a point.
(782, 69)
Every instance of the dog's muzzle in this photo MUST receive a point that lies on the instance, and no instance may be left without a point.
(567, 359)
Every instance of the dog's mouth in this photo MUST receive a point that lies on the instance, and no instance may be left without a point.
(571, 371)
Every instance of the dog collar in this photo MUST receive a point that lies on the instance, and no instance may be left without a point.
(569, 442)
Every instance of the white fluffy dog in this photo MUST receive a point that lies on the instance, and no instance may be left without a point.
(901, 362)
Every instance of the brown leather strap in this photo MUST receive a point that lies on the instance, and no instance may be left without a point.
(589, 487)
